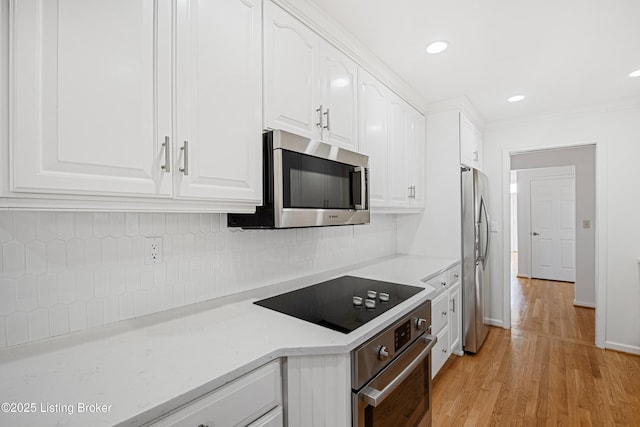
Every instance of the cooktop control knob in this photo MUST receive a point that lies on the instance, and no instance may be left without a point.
(357, 301)
(421, 324)
(372, 294)
(383, 353)
(370, 303)
(383, 296)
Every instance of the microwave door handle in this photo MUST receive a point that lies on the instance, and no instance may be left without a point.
(363, 187)
(375, 397)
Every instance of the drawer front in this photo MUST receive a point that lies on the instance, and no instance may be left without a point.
(238, 403)
(441, 281)
(454, 274)
(272, 419)
(439, 312)
(440, 352)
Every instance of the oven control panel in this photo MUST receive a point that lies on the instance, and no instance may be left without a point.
(372, 356)
(402, 335)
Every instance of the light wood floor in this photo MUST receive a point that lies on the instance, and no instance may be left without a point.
(545, 371)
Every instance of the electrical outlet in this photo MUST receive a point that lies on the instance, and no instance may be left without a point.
(153, 250)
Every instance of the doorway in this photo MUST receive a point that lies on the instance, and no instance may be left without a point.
(555, 229)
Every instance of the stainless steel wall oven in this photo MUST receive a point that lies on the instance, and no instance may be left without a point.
(391, 374)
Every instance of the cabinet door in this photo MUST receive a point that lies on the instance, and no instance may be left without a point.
(416, 160)
(291, 74)
(219, 100)
(470, 143)
(91, 100)
(398, 152)
(372, 100)
(338, 97)
(455, 319)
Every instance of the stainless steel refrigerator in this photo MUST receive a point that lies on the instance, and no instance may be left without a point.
(476, 236)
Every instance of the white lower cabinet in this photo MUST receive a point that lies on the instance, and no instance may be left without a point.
(254, 399)
(440, 352)
(455, 319)
(446, 317)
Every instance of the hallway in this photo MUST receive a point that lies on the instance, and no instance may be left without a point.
(546, 370)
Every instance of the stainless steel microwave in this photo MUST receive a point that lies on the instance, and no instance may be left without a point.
(307, 183)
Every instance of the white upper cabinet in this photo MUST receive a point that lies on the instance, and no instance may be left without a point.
(372, 101)
(392, 134)
(417, 157)
(291, 74)
(138, 98)
(398, 120)
(219, 88)
(310, 86)
(406, 155)
(91, 96)
(339, 95)
(470, 144)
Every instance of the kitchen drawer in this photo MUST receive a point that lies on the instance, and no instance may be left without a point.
(440, 352)
(237, 403)
(439, 312)
(454, 275)
(441, 281)
(272, 419)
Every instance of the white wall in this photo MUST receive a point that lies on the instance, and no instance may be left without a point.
(616, 130)
(64, 272)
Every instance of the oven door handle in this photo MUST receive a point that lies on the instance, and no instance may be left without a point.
(374, 397)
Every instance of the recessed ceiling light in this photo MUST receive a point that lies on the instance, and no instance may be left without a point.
(437, 47)
(636, 73)
(516, 98)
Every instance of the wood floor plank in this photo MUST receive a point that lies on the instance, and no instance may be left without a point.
(545, 371)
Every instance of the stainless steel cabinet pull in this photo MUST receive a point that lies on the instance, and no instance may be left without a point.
(327, 126)
(185, 154)
(320, 123)
(409, 188)
(167, 155)
(453, 305)
(535, 234)
(444, 313)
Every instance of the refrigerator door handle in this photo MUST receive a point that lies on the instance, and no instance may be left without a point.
(483, 206)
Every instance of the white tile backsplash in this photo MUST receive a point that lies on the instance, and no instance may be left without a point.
(64, 272)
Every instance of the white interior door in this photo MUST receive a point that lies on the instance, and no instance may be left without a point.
(553, 233)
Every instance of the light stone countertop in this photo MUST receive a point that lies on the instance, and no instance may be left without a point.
(143, 368)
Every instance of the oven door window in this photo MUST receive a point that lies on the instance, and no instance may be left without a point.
(314, 183)
(406, 406)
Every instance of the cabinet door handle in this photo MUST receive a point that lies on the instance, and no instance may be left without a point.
(409, 188)
(414, 192)
(444, 313)
(185, 155)
(328, 125)
(167, 155)
(320, 123)
(453, 305)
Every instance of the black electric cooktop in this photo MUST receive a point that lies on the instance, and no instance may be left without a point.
(343, 304)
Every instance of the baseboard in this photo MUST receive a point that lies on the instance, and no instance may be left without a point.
(625, 348)
(584, 304)
(494, 322)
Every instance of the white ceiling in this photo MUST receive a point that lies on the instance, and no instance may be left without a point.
(561, 54)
